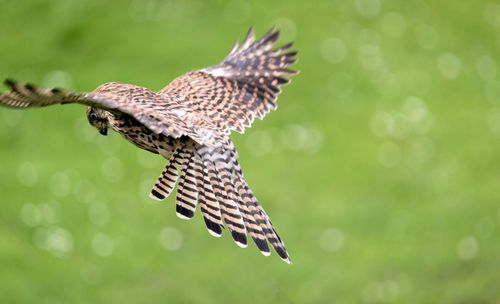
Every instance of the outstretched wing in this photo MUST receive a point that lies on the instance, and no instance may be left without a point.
(243, 86)
(161, 114)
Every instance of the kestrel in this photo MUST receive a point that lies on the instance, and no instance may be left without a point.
(188, 122)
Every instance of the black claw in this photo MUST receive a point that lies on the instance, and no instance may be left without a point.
(56, 90)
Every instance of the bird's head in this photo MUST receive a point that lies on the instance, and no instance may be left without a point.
(98, 119)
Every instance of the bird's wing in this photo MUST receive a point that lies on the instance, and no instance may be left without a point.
(161, 114)
(243, 86)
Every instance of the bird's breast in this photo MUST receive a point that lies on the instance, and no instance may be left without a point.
(142, 137)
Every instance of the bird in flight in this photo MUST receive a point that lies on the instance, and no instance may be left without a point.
(188, 122)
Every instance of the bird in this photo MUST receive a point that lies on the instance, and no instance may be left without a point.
(188, 122)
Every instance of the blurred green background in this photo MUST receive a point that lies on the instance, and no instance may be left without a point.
(380, 169)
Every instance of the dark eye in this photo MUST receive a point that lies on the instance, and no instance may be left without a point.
(93, 117)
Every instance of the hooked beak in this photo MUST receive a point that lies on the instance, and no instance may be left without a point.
(103, 130)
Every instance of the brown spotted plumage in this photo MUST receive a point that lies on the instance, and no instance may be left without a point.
(188, 123)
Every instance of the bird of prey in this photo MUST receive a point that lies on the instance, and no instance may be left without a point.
(188, 122)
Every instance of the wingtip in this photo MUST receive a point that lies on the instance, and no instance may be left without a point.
(249, 33)
(249, 38)
(287, 46)
(250, 30)
(56, 90)
(30, 87)
(273, 33)
(9, 82)
(289, 72)
(271, 30)
(234, 47)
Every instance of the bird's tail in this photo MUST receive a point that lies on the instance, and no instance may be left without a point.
(212, 178)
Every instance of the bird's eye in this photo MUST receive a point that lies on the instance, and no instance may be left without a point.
(93, 117)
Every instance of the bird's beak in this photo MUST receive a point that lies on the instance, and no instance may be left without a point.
(103, 130)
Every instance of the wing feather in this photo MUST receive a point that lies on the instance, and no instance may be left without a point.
(160, 113)
(243, 86)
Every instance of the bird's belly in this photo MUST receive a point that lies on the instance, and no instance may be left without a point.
(144, 138)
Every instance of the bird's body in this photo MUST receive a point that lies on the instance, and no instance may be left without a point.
(188, 123)
(130, 128)
(135, 132)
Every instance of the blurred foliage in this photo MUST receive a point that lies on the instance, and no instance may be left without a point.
(380, 170)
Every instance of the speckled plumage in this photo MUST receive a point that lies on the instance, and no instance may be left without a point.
(188, 123)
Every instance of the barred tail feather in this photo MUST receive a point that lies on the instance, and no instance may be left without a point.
(209, 206)
(187, 193)
(239, 208)
(251, 216)
(232, 202)
(212, 178)
(229, 209)
(267, 227)
(165, 183)
(240, 196)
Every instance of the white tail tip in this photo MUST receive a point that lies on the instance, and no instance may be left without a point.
(182, 216)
